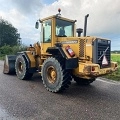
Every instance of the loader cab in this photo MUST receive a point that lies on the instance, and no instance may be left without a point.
(55, 27)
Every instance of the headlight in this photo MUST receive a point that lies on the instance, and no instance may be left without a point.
(99, 40)
(109, 41)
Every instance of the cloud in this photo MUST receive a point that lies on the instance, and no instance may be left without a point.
(103, 20)
(104, 15)
(27, 6)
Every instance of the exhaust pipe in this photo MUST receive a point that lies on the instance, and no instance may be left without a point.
(85, 25)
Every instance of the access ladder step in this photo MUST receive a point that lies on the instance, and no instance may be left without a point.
(40, 65)
(43, 58)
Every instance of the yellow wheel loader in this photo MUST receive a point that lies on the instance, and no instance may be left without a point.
(62, 56)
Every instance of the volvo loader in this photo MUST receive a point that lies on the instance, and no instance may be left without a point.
(62, 55)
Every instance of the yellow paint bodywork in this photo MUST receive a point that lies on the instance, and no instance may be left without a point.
(31, 58)
(84, 70)
(83, 50)
(44, 47)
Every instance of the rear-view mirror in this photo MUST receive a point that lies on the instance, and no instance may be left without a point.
(37, 25)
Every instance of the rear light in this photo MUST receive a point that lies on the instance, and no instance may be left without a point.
(92, 68)
(116, 65)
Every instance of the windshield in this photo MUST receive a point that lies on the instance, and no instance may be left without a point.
(64, 28)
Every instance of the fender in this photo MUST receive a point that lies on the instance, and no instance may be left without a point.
(70, 63)
(31, 63)
(56, 51)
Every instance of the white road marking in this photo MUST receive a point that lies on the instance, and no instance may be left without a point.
(109, 82)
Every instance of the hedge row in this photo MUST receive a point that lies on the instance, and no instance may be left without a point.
(8, 50)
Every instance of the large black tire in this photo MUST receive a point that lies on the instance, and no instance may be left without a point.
(81, 81)
(55, 77)
(21, 68)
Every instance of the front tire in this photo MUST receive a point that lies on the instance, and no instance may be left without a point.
(21, 68)
(55, 77)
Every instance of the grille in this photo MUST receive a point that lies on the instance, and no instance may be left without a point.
(102, 48)
(82, 48)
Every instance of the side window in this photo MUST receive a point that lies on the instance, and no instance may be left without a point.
(47, 31)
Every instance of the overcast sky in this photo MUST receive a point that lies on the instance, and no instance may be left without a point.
(104, 19)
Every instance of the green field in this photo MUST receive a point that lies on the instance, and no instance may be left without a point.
(115, 75)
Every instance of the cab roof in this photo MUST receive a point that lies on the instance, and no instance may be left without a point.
(59, 17)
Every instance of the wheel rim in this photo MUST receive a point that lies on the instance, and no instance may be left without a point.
(51, 74)
(20, 67)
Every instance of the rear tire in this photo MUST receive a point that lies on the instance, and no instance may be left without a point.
(55, 77)
(82, 81)
(21, 68)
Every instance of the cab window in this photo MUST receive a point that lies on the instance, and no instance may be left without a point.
(47, 31)
(64, 28)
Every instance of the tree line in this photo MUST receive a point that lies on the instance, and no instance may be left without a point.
(8, 34)
(115, 52)
(9, 39)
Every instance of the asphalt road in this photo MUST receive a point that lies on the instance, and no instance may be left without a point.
(29, 100)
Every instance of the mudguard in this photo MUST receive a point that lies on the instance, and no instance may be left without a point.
(31, 63)
(70, 62)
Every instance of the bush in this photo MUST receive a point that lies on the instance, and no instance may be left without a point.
(5, 49)
(8, 50)
(16, 49)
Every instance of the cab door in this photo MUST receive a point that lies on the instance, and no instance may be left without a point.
(46, 35)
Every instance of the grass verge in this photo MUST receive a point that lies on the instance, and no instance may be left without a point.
(116, 75)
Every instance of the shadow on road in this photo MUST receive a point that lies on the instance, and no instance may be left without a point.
(94, 91)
